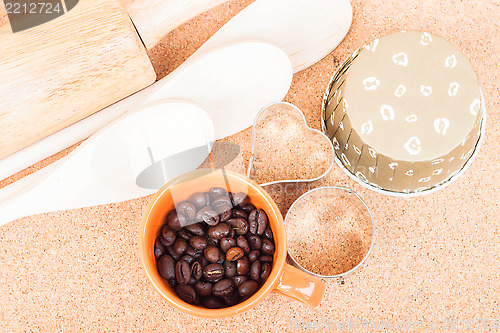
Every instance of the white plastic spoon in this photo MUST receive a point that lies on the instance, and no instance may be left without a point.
(305, 30)
(122, 161)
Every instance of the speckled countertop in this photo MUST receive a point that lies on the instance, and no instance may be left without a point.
(436, 257)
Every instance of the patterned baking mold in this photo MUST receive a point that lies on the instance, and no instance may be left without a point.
(378, 171)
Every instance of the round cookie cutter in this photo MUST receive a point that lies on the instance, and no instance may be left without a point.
(357, 259)
(327, 194)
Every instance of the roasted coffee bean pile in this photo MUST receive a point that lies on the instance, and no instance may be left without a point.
(215, 249)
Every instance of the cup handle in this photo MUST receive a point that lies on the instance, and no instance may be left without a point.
(301, 286)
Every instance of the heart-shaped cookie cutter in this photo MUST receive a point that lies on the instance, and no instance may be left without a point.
(301, 117)
(287, 111)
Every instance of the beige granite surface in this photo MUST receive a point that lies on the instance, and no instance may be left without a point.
(436, 257)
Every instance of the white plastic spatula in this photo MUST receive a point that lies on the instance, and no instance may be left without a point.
(137, 154)
(305, 30)
(107, 167)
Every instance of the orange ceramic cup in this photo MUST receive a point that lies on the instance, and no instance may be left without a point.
(284, 278)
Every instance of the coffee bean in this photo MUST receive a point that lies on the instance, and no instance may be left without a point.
(187, 294)
(242, 266)
(239, 213)
(266, 258)
(187, 209)
(268, 233)
(160, 249)
(255, 242)
(267, 247)
(224, 213)
(187, 258)
(176, 221)
(179, 246)
(231, 233)
(196, 229)
(165, 242)
(227, 243)
(211, 241)
(185, 234)
(166, 267)
(213, 302)
(203, 288)
(265, 271)
(192, 252)
(198, 243)
(205, 262)
(172, 283)
(182, 272)
(168, 235)
(212, 253)
(238, 280)
(243, 244)
(230, 268)
(216, 192)
(252, 222)
(174, 254)
(223, 287)
(221, 201)
(239, 225)
(262, 222)
(232, 299)
(207, 215)
(220, 231)
(257, 220)
(255, 271)
(253, 255)
(234, 254)
(199, 200)
(248, 288)
(196, 270)
(247, 208)
(240, 199)
(207, 197)
(213, 272)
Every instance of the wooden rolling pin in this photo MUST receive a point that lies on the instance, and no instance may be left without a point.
(62, 71)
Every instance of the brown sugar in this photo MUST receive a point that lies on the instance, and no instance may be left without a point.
(285, 149)
(329, 231)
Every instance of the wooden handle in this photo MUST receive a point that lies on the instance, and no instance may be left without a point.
(153, 19)
(59, 72)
